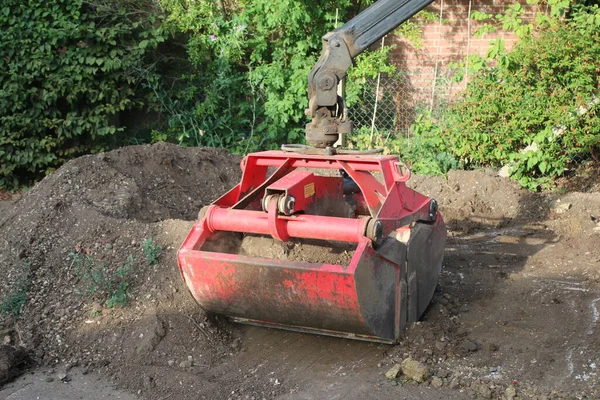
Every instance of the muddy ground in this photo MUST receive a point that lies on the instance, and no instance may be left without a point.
(515, 315)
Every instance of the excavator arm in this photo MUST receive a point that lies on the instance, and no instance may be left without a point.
(340, 47)
(292, 246)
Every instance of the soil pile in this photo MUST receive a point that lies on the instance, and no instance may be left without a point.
(69, 239)
(471, 200)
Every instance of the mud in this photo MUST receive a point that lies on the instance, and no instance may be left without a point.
(516, 310)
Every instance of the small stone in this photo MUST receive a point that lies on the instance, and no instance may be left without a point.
(510, 393)
(437, 382)
(49, 379)
(63, 377)
(443, 373)
(189, 363)
(440, 345)
(505, 171)
(561, 208)
(393, 372)
(415, 370)
(171, 363)
(484, 391)
(71, 365)
(492, 347)
(455, 383)
(469, 345)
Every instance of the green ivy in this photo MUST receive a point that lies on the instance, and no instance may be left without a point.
(69, 67)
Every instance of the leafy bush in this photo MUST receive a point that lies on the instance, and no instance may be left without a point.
(535, 108)
(423, 149)
(68, 68)
(245, 86)
(223, 74)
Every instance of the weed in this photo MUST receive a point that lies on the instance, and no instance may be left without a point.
(12, 302)
(96, 278)
(118, 295)
(151, 251)
(92, 274)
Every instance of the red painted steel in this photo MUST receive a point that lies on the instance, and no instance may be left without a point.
(298, 226)
(360, 300)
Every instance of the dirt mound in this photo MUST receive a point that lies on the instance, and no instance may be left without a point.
(471, 200)
(74, 243)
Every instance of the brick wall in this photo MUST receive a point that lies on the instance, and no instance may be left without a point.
(447, 42)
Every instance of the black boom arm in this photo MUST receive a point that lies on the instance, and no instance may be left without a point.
(340, 47)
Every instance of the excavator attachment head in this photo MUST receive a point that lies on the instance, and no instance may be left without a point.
(336, 245)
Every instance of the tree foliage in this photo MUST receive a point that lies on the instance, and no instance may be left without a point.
(244, 87)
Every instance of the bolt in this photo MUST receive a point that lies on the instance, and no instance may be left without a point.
(433, 208)
(375, 232)
(290, 204)
(326, 82)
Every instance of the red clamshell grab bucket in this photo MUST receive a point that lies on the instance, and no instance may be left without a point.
(373, 297)
(359, 299)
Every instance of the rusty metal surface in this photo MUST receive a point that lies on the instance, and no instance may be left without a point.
(359, 299)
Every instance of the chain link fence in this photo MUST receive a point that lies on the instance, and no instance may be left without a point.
(390, 104)
(386, 105)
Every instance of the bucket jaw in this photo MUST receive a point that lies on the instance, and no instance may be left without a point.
(320, 245)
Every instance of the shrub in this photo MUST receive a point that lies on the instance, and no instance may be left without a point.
(245, 86)
(535, 108)
(152, 251)
(423, 149)
(13, 300)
